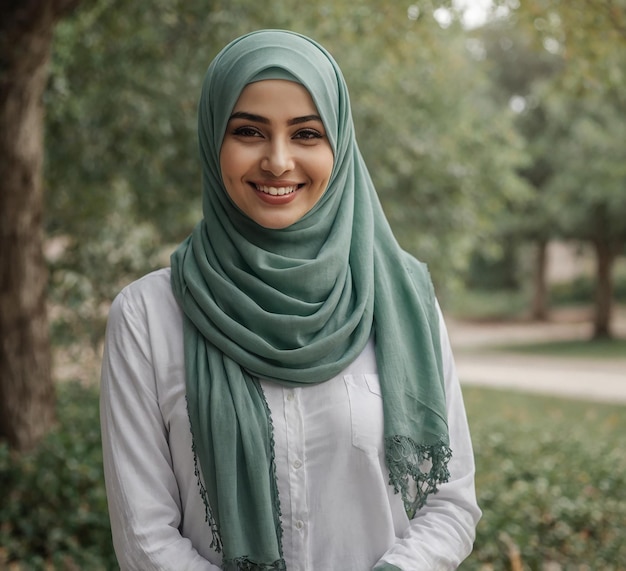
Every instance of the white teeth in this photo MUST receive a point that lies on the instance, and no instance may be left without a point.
(274, 191)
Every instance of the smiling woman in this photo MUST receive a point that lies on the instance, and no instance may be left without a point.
(284, 397)
(276, 159)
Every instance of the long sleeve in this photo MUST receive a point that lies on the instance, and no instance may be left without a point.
(142, 490)
(329, 454)
(442, 533)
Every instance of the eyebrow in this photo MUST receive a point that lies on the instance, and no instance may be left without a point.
(266, 121)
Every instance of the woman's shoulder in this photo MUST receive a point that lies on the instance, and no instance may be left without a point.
(150, 292)
(155, 283)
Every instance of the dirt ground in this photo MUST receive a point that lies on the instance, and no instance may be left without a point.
(578, 377)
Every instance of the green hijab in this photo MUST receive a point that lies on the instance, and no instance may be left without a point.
(297, 306)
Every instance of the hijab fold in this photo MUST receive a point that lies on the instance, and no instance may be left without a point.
(297, 306)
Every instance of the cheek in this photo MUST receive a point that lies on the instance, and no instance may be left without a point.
(325, 166)
(235, 160)
(228, 165)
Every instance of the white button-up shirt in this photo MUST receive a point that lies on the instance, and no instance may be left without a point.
(338, 511)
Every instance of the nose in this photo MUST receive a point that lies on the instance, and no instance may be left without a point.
(278, 158)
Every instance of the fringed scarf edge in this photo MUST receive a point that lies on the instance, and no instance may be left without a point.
(405, 459)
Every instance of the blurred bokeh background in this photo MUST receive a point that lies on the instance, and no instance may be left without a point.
(495, 132)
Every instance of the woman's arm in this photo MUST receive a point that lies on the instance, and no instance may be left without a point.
(143, 496)
(442, 533)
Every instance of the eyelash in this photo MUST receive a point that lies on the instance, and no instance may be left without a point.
(245, 132)
(307, 134)
(304, 134)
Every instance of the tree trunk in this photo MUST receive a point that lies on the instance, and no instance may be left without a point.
(539, 305)
(605, 257)
(27, 400)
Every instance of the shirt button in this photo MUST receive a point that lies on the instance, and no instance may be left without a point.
(290, 396)
(297, 464)
(299, 524)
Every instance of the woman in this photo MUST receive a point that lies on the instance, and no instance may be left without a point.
(285, 396)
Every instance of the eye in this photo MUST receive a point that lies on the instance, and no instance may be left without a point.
(308, 134)
(246, 131)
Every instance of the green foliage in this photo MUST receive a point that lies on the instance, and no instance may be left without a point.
(121, 124)
(589, 160)
(121, 114)
(590, 349)
(580, 291)
(53, 513)
(550, 480)
(519, 71)
(91, 273)
(486, 305)
(588, 34)
(562, 67)
(500, 272)
(550, 477)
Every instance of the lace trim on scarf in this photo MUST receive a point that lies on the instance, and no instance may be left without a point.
(216, 540)
(274, 479)
(405, 459)
(243, 563)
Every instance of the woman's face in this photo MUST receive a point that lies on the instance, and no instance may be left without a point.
(276, 159)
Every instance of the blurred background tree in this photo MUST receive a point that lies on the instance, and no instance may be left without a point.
(27, 408)
(482, 142)
(121, 131)
(562, 68)
(518, 72)
(587, 192)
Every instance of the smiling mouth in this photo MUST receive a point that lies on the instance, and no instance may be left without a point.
(277, 190)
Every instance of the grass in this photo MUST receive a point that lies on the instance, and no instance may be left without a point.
(511, 408)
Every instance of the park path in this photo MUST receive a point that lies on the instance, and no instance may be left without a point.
(576, 377)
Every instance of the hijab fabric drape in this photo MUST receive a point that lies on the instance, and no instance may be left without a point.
(296, 306)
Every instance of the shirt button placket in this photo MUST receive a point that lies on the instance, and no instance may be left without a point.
(297, 477)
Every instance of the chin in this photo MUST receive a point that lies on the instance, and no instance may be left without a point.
(276, 224)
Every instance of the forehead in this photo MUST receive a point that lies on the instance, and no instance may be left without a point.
(276, 97)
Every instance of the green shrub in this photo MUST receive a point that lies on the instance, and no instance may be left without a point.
(484, 302)
(581, 290)
(599, 349)
(484, 305)
(551, 476)
(495, 273)
(53, 513)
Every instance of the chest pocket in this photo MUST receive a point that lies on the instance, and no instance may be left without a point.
(366, 412)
